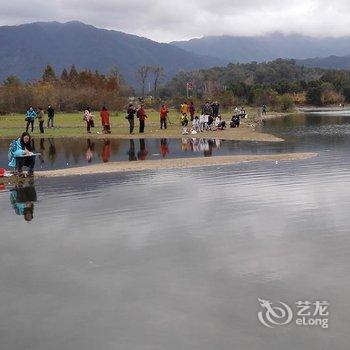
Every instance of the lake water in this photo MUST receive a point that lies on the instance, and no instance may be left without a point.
(178, 259)
(67, 153)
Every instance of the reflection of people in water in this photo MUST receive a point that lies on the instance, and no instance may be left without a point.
(132, 155)
(164, 149)
(89, 151)
(52, 151)
(22, 197)
(208, 151)
(42, 151)
(106, 151)
(142, 154)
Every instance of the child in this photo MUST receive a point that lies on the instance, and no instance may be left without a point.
(89, 119)
(219, 123)
(196, 125)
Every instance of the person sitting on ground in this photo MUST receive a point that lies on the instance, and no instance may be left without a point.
(20, 154)
(210, 122)
(196, 124)
(235, 121)
(30, 117)
(89, 119)
(163, 116)
(184, 120)
(104, 114)
(219, 123)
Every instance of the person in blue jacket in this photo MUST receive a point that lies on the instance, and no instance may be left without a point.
(20, 154)
(31, 115)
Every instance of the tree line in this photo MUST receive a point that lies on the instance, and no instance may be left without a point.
(72, 90)
(280, 83)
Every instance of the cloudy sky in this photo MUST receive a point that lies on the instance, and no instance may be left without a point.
(165, 20)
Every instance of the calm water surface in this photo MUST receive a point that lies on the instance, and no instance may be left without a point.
(178, 259)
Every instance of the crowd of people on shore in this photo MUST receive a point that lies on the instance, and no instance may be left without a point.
(209, 118)
(21, 154)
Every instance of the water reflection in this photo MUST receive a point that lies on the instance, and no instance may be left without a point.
(23, 196)
(72, 152)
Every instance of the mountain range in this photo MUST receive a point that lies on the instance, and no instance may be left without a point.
(26, 49)
(267, 47)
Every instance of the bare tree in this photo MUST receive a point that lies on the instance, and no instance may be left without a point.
(158, 75)
(141, 76)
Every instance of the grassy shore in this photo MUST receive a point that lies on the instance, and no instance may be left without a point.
(72, 125)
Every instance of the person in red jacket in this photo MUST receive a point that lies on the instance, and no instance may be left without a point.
(163, 116)
(141, 114)
(105, 121)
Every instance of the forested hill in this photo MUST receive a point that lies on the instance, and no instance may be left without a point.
(331, 62)
(266, 47)
(26, 49)
(268, 82)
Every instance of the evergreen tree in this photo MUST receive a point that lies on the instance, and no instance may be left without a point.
(73, 74)
(49, 74)
(64, 75)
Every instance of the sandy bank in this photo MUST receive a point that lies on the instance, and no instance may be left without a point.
(106, 168)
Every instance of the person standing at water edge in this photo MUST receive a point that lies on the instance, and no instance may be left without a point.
(20, 155)
(216, 108)
(141, 115)
(30, 117)
(51, 115)
(41, 116)
(131, 117)
(89, 119)
(207, 110)
(184, 109)
(163, 116)
(105, 121)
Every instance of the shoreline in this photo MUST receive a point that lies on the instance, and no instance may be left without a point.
(176, 163)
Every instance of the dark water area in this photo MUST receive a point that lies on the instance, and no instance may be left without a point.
(177, 259)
